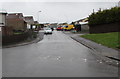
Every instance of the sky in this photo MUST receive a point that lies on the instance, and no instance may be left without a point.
(59, 0)
(56, 10)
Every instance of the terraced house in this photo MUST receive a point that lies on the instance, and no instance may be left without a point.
(16, 21)
(30, 21)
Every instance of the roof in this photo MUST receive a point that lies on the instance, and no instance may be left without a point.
(29, 19)
(36, 22)
(3, 11)
(15, 15)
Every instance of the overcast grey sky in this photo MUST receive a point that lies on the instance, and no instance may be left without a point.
(56, 10)
(59, 0)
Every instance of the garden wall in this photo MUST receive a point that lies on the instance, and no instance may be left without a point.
(105, 28)
(85, 28)
(10, 39)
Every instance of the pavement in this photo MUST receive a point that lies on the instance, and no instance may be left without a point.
(108, 55)
(40, 36)
(57, 55)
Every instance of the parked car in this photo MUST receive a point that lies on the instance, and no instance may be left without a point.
(68, 27)
(63, 28)
(47, 30)
(59, 28)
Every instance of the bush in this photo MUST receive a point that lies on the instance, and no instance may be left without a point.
(34, 34)
(104, 17)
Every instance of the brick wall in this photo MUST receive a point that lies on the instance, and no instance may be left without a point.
(7, 31)
(16, 24)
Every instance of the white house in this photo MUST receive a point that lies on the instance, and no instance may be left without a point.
(29, 20)
(2, 18)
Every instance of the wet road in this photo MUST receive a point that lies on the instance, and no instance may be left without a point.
(57, 55)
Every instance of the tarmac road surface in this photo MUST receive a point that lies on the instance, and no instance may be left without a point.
(57, 55)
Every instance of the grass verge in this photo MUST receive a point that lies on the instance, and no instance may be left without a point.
(106, 39)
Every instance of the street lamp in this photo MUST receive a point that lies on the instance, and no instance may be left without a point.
(38, 15)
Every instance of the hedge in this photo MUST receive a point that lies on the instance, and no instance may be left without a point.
(104, 17)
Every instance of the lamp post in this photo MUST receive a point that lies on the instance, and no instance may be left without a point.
(38, 15)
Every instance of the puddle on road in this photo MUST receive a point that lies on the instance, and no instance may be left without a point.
(64, 59)
(50, 58)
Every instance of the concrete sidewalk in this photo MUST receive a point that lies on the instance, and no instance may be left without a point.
(39, 38)
(108, 55)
